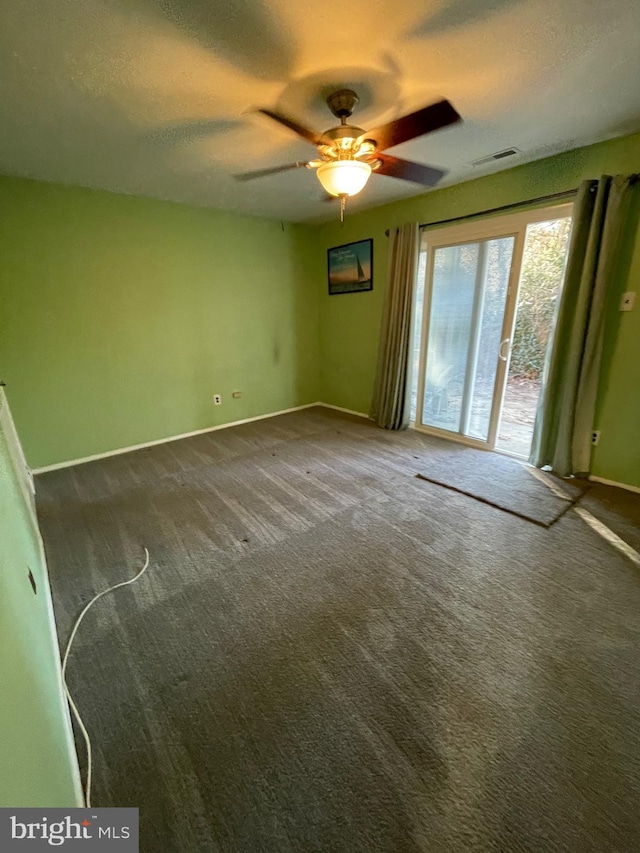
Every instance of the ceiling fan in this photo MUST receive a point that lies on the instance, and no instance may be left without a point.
(347, 155)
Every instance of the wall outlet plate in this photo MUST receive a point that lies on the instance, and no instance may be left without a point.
(217, 399)
(628, 300)
(595, 437)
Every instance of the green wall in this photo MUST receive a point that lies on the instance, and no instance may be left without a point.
(36, 749)
(120, 317)
(350, 324)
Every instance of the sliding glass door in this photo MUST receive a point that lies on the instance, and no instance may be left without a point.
(466, 315)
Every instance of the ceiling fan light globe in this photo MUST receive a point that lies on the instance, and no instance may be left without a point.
(344, 177)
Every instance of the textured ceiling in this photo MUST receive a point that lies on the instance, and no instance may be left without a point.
(149, 97)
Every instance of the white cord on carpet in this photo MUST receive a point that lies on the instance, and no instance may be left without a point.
(76, 713)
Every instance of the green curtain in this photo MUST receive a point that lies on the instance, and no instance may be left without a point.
(566, 409)
(390, 406)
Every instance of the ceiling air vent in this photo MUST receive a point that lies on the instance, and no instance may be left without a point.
(499, 155)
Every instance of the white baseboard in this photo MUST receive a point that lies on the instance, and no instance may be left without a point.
(96, 456)
(340, 409)
(56, 466)
(626, 486)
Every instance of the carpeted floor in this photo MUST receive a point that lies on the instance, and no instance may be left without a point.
(328, 654)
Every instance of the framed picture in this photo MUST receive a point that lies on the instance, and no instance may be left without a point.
(350, 267)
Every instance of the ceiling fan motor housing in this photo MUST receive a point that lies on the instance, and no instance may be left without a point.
(344, 137)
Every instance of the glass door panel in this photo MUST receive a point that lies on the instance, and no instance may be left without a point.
(541, 277)
(449, 330)
(467, 299)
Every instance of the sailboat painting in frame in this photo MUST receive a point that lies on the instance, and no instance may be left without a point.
(350, 267)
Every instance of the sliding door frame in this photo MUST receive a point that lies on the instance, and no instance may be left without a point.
(493, 228)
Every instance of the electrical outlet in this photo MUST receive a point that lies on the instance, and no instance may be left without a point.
(595, 437)
(236, 395)
(217, 400)
(628, 300)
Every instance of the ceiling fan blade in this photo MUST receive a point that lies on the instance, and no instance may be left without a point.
(306, 133)
(418, 173)
(415, 124)
(259, 173)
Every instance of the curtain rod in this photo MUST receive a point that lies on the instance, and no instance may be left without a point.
(512, 206)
